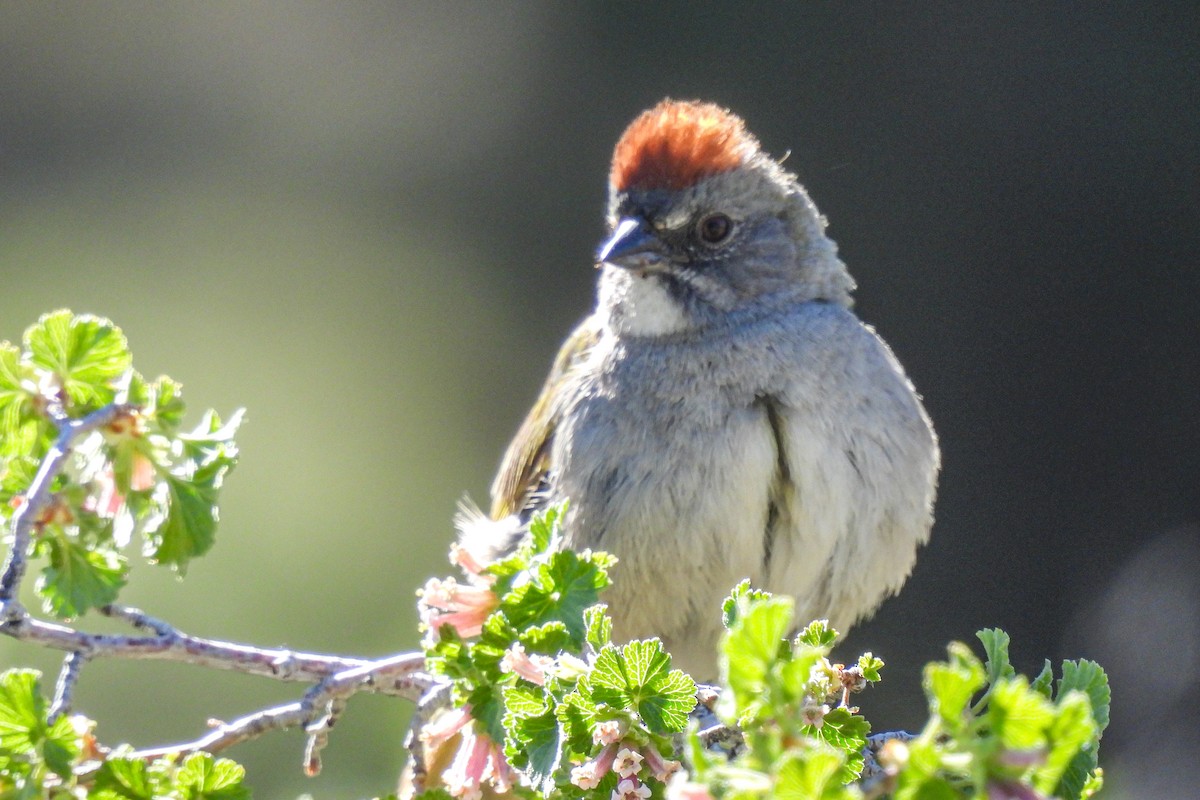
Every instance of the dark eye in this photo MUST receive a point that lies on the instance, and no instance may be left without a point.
(715, 228)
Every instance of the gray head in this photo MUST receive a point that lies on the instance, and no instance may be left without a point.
(704, 223)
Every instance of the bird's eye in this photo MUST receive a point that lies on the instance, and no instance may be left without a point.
(715, 228)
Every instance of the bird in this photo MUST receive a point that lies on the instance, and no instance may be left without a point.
(722, 414)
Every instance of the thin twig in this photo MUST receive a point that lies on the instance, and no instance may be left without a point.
(226, 734)
(136, 618)
(64, 690)
(316, 711)
(38, 495)
(318, 736)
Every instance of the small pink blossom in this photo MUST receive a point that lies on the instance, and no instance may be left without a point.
(662, 769)
(464, 608)
(441, 728)
(590, 772)
(466, 775)
(500, 774)
(108, 502)
(531, 668)
(631, 789)
(814, 714)
(141, 476)
(607, 732)
(628, 763)
(464, 559)
(584, 776)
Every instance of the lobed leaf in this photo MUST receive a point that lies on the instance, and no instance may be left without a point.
(950, 685)
(1088, 677)
(995, 645)
(87, 353)
(201, 777)
(77, 578)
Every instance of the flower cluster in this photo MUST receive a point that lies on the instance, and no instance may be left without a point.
(541, 691)
(461, 606)
(477, 761)
(628, 762)
(464, 607)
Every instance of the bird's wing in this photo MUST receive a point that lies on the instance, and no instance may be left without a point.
(527, 460)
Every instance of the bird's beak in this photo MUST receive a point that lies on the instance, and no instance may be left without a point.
(633, 245)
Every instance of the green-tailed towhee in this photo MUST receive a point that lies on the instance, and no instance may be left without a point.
(722, 414)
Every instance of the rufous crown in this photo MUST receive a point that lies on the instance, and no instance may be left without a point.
(676, 143)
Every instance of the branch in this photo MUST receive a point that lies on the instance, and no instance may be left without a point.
(227, 734)
(25, 517)
(316, 712)
(336, 678)
(167, 643)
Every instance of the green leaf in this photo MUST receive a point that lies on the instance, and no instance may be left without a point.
(645, 662)
(540, 748)
(126, 779)
(813, 774)
(740, 598)
(16, 409)
(87, 353)
(819, 634)
(922, 777)
(24, 731)
(608, 683)
(203, 778)
(1043, 683)
(487, 706)
(62, 747)
(1088, 677)
(667, 702)
(869, 665)
(1073, 729)
(549, 639)
(560, 590)
(193, 485)
(848, 734)
(211, 442)
(995, 645)
(598, 626)
(428, 794)
(523, 701)
(638, 676)
(950, 685)
(544, 527)
(166, 405)
(932, 788)
(1082, 776)
(1018, 715)
(1083, 679)
(78, 579)
(22, 712)
(752, 645)
(577, 715)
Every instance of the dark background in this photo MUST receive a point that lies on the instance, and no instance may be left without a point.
(372, 224)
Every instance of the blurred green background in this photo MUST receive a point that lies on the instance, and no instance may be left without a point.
(371, 224)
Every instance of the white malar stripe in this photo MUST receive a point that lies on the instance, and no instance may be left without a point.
(638, 304)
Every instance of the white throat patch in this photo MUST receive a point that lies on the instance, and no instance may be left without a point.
(639, 305)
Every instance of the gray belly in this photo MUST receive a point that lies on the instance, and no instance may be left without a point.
(680, 496)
